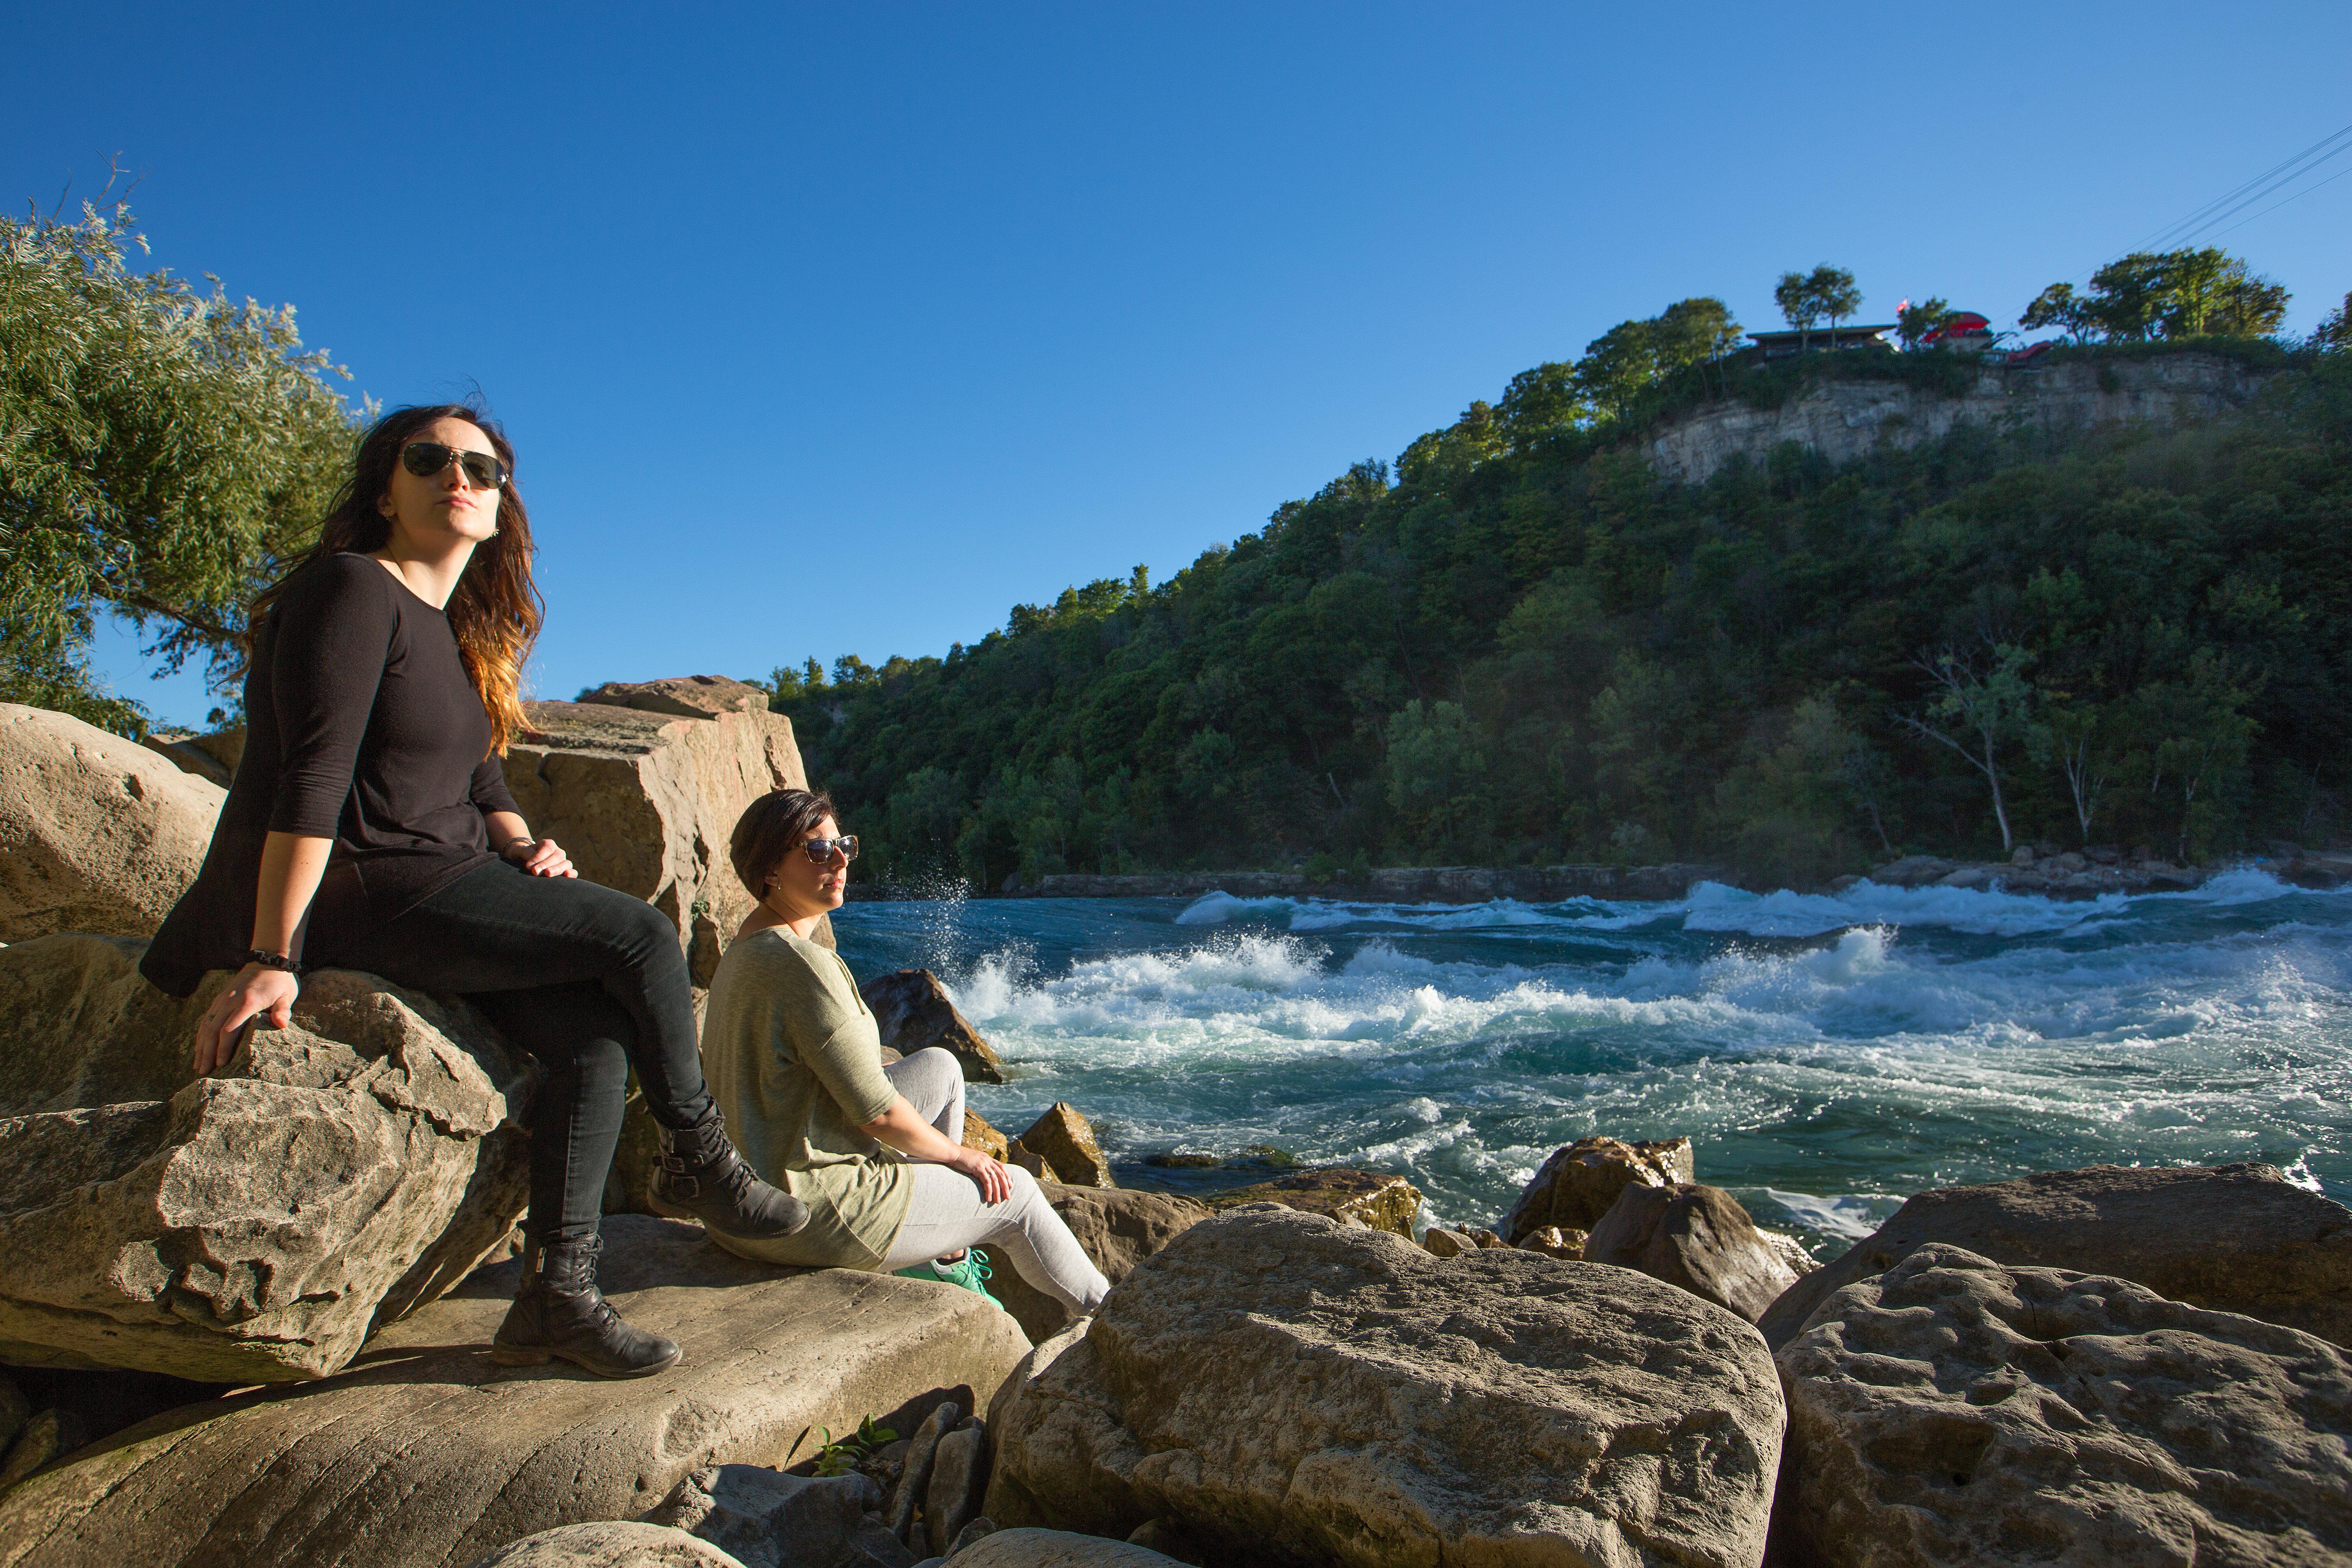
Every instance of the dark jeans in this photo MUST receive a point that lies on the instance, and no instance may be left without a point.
(588, 980)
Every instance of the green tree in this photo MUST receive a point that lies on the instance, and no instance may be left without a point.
(1697, 331)
(164, 452)
(2334, 329)
(1617, 366)
(1631, 357)
(1977, 713)
(1915, 321)
(2204, 738)
(2163, 294)
(1609, 667)
(1436, 774)
(1539, 402)
(1791, 803)
(1826, 292)
(927, 812)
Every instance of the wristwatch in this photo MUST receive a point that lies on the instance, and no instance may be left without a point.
(269, 960)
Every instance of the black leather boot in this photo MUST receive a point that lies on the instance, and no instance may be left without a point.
(700, 1176)
(560, 1312)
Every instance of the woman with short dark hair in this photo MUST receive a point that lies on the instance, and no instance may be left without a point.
(369, 827)
(877, 1151)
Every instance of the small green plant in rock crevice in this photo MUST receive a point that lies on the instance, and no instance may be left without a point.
(838, 1458)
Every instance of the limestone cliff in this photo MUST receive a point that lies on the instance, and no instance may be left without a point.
(1845, 419)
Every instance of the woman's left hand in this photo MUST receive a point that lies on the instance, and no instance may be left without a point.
(540, 857)
(995, 1186)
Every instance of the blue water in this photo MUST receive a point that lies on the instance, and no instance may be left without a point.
(1827, 1056)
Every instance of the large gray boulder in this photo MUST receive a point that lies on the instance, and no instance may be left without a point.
(1580, 1182)
(1284, 1389)
(610, 1543)
(427, 1455)
(1119, 1227)
(1697, 1237)
(2239, 1239)
(1060, 1147)
(97, 833)
(915, 1012)
(642, 784)
(254, 1226)
(1953, 1410)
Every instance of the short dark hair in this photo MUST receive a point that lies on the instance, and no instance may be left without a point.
(771, 827)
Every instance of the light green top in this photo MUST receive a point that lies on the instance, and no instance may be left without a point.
(794, 1060)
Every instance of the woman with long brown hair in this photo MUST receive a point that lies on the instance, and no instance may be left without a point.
(369, 827)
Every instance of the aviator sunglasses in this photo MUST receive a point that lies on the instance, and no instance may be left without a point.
(426, 458)
(821, 849)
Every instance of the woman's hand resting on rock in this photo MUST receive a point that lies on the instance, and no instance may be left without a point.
(255, 993)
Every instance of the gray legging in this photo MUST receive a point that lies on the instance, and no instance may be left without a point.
(946, 1213)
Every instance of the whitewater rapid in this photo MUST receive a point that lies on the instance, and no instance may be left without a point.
(1828, 1055)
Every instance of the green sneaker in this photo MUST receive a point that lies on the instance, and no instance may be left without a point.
(971, 1271)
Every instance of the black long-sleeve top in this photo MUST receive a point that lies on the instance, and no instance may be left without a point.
(362, 727)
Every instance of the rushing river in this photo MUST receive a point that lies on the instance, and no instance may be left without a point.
(1826, 1054)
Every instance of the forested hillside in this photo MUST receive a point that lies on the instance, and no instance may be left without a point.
(1520, 647)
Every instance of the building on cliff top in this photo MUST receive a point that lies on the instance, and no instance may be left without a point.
(1776, 345)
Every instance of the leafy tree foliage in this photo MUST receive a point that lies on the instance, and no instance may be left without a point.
(1913, 322)
(1518, 646)
(1826, 293)
(1632, 357)
(2163, 294)
(2335, 330)
(162, 449)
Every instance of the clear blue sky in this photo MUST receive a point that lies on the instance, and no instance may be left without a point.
(842, 329)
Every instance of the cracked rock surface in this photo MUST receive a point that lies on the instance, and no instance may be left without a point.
(1953, 1410)
(1283, 1388)
(255, 1226)
(426, 1454)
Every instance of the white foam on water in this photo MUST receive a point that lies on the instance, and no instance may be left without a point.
(1712, 907)
(1873, 1042)
(1851, 1215)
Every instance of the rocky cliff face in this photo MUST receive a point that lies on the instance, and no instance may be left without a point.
(1843, 420)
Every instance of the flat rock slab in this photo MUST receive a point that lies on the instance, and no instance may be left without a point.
(425, 1455)
(1034, 1548)
(1285, 1390)
(612, 1544)
(2238, 1238)
(1952, 1410)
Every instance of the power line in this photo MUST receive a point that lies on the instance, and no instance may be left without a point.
(2276, 205)
(2268, 183)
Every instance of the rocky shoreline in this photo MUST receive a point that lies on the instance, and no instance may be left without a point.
(245, 1319)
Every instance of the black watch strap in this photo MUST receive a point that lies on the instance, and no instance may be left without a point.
(269, 960)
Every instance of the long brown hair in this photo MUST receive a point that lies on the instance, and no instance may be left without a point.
(496, 611)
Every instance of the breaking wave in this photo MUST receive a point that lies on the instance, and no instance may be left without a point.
(1828, 1053)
